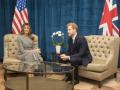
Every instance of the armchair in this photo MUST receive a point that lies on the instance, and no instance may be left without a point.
(105, 52)
(11, 47)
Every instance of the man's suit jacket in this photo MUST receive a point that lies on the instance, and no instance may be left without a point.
(79, 51)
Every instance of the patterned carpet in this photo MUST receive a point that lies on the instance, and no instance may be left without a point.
(108, 84)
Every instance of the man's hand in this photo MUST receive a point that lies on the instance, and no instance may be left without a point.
(64, 57)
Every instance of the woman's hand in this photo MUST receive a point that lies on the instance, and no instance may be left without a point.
(38, 50)
(34, 50)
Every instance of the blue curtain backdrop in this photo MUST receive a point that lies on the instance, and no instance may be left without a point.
(48, 16)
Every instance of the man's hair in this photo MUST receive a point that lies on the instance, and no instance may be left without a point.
(73, 24)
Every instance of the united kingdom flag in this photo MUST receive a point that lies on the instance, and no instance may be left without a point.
(109, 19)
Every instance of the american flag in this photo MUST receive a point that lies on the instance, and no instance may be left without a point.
(109, 19)
(20, 16)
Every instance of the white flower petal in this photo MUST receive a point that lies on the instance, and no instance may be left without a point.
(59, 32)
(59, 35)
(54, 33)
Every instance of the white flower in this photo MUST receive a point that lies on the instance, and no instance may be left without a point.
(59, 34)
(54, 33)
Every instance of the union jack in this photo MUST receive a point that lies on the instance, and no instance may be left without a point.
(109, 19)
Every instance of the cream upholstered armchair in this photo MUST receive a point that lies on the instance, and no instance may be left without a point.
(11, 47)
(105, 52)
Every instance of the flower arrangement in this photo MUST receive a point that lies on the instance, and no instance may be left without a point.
(58, 38)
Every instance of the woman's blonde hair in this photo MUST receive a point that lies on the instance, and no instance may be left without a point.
(73, 24)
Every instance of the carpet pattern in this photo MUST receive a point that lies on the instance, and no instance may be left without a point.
(108, 84)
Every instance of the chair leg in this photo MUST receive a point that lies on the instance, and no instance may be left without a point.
(115, 74)
(100, 84)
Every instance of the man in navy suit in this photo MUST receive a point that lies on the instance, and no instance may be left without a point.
(78, 52)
